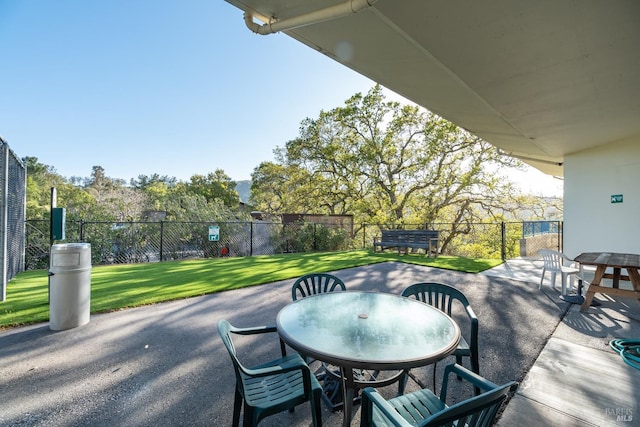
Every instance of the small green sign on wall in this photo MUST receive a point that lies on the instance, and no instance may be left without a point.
(616, 198)
(214, 233)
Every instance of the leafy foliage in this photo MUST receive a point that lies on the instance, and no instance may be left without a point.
(386, 163)
(215, 186)
(312, 237)
(101, 198)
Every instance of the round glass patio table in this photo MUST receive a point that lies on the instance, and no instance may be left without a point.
(367, 330)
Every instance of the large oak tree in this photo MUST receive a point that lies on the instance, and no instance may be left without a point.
(386, 163)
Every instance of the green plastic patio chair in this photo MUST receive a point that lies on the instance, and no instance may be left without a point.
(443, 297)
(424, 409)
(316, 283)
(271, 387)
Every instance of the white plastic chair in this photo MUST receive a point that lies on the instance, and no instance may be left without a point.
(554, 263)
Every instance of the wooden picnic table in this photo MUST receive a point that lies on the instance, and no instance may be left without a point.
(616, 261)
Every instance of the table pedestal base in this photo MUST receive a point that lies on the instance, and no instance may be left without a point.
(578, 298)
(330, 378)
(332, 393)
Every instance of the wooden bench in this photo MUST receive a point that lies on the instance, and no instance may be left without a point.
(429, 240)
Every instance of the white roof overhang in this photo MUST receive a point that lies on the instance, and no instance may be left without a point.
(537, 79)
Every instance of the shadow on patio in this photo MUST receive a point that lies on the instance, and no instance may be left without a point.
(164, 364)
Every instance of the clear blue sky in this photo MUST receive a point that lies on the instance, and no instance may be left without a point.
(168, 87)
(175, 88)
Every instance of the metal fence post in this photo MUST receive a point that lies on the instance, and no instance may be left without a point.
(560, 236)
(161, 240)
(13, 196)
(503, 233)
(315, 238)
(4, 215)
(251, 238)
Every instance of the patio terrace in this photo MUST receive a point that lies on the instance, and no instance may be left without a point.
(164, 364)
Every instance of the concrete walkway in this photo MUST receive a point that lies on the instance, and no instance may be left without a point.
(578, 380)
(163, 365)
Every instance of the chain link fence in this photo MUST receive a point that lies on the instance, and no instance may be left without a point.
(13, 190)
(140, 242)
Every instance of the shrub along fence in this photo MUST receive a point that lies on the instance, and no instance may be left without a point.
(138, 242)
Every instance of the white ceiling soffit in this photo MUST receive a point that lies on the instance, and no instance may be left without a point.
(539, 79)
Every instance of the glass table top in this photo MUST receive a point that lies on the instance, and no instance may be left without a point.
(367, 329)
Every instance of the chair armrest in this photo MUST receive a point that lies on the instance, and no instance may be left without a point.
(466, 374)
(293, 362)
(474, 328)
(370, 398)
(254, 330)
(260, 330)
(568, 262)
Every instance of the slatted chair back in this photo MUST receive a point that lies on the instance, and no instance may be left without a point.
(443, 297)
(478, 411)
(552, 259)
(316, 283)
(424, 409)
(224, 329)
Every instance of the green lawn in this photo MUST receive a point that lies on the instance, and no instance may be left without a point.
(119, 286)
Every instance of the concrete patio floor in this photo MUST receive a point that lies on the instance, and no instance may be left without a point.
(578, 380)
(164, 364)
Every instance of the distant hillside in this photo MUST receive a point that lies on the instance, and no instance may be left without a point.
(244, 190)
